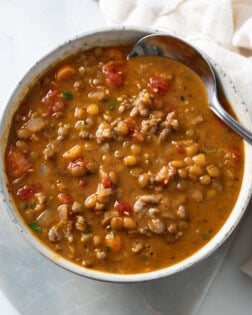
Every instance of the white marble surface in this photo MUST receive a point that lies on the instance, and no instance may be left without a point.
(28, 30)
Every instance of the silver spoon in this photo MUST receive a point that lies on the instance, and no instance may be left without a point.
(174, 48)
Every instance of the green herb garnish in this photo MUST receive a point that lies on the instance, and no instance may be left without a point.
(35, 227)
(205, 237)
(108, 249)
(67, 95)
(112, 235)
(26, 205)
(113, 102)
(104, 100)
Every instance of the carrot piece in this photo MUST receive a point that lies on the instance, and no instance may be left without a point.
(17, 164)
(113, 241)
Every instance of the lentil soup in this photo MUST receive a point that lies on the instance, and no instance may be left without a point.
(119, 165)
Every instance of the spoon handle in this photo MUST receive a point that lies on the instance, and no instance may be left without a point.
(231, 122)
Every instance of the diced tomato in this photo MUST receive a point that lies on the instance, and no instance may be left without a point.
(158, 84)
(178, 147)
(106, 182)
(65, 198)
(27, 192)
(16, 162)
(83, 182)
(123, 208)
(131, 124)
(113, 242)
(137, 136)
(134, 132)
(113, 73)
(54, 102)
(236, 151)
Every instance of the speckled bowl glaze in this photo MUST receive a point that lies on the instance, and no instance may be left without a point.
(106, 37)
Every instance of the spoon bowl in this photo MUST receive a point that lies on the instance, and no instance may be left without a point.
(176, 49)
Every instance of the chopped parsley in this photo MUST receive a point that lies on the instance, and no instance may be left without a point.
(113, 106)
(205, 237)
(35, 227)
(113, 235)
(113, 102)
(67, 95)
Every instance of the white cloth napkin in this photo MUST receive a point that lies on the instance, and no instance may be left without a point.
(221, 28)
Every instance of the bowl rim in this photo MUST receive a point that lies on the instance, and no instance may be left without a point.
(218, 239)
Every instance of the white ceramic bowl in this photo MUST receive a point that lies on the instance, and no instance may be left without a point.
(106, 37)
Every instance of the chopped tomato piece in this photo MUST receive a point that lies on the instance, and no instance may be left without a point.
(113, 242)
(158, 84)
(27, 192)
(178, 147)
(137, 136)
(54, 101)
(16, 162)
(236, 151)
(83, 182)
(113, 73)
(106, 182)
(65, 198)
(131, 124)
(123, 208)
(134, 132)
